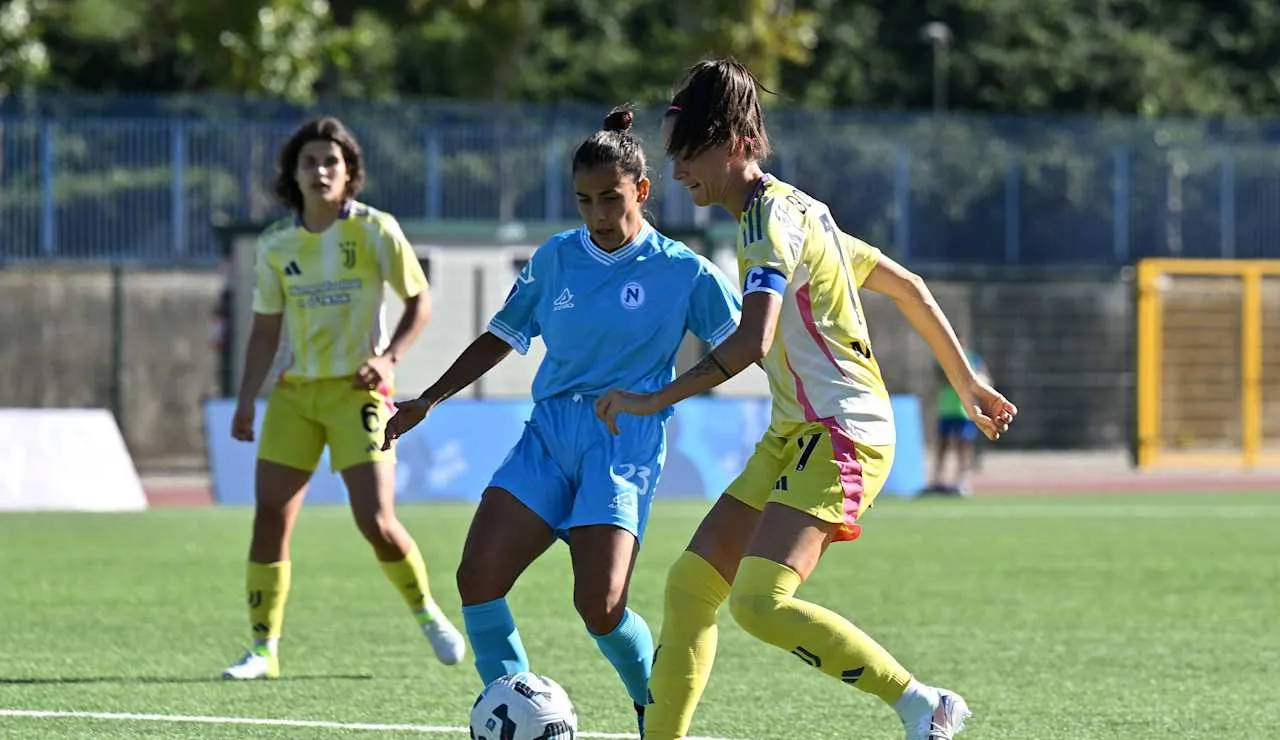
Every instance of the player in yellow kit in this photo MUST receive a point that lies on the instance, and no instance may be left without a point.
(829, 446)
(320, 281)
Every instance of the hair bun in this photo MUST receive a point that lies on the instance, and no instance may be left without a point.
(619, 120)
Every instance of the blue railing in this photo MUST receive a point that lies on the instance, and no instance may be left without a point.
(80, 181)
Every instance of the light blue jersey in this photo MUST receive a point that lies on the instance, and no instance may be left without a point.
(609, 320)
(613, 320)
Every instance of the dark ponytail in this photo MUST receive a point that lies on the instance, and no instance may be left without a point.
(614, 146)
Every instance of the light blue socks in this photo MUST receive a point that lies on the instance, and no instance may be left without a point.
(629, 647)
(495, 640)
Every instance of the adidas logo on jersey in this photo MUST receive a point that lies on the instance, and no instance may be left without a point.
(292, 269)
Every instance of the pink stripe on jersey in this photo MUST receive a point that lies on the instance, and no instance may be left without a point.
(801, 396)
(804, 303)
(845, 452)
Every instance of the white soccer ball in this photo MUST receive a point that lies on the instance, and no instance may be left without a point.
(523, 706)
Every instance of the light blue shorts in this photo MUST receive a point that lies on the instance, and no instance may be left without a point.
(572, 472)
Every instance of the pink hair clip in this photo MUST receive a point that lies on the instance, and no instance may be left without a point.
(675, 109)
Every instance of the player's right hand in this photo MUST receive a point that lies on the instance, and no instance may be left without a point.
(407, 416)
(242, 422)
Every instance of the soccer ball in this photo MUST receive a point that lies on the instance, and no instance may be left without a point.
(523, 706)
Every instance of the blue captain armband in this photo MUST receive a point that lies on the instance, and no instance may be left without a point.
(761, 279)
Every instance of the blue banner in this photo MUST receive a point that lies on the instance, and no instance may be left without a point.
(455, 451)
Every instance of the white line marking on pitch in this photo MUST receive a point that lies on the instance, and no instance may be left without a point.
(1090, 511)
(269, 722)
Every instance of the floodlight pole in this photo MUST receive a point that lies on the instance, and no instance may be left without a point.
(940, 37)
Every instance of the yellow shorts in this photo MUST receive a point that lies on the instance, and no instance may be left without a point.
(820, 470)
(302, 417)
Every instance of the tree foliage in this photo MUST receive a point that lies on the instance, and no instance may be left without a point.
(1094, 56)
(24, 59)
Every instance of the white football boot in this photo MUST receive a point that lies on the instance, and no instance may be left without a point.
(946, 720)
(447, 642)
(253, 666)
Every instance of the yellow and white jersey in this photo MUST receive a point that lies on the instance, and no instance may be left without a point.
(329, 286)
(820, 366)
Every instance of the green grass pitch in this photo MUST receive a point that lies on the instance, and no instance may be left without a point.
(1073, 618)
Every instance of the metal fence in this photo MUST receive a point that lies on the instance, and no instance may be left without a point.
(144, 179)
(151, 344)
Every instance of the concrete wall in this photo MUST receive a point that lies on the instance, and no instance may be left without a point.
(57, 333)
(1060, 350)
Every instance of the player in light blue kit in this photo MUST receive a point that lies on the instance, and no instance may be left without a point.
(612, 300)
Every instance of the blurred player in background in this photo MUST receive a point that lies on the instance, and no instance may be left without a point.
(829, 446)
(612, 301)
(320, 276)
(956, 432)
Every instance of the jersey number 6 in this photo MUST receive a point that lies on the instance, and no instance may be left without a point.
(369, 417)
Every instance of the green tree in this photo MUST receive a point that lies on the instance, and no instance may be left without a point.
(471, 48)
(1095, 56)
(283, 52)
(1133, 57)
(763, 34)
(24, 59)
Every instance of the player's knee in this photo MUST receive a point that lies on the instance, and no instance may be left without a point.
(379, 528)
(601, 606)
(753, 611)
(680, 588)
(472, 582)
(692, 580)
(479, 582)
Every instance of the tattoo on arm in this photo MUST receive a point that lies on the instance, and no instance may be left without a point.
(719, 365)
(709, 366)
(710, 372)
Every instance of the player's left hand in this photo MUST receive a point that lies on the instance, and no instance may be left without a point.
(375, 372)
(617, 402)
(989, 409)
(408, 415)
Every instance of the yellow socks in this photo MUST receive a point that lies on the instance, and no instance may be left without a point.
(409, 576)
(686, 647)
(763, 602)
(268, 588)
